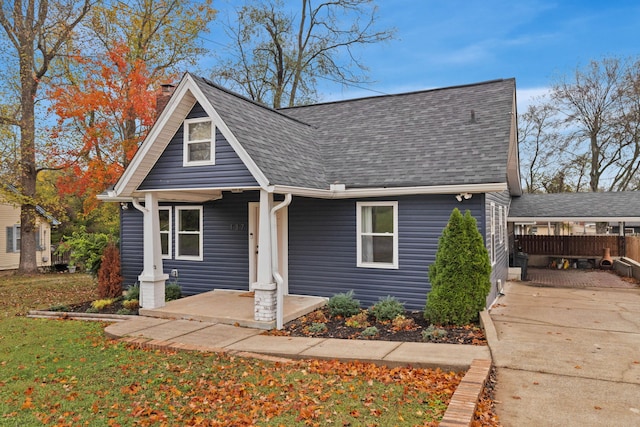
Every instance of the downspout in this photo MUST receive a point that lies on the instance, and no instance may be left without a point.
(274, 261)
(138, 206)
(144, 210)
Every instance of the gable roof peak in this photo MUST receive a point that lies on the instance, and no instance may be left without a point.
(244, 98)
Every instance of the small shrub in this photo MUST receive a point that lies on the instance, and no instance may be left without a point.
(317, 328)
(92, 310)
(387, 309)
(359, 320)
(109, 278)
(86, 249)
(59, 307)
(102, 303)
(172, 292)
(132, 292)
(131, 304)
(343, 304)
(401, 323)
(433, 332)
(125, 311)
(371, 331)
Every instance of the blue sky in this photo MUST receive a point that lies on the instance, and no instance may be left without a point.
(450, 42)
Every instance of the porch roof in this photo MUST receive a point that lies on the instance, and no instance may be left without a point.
(623, 206)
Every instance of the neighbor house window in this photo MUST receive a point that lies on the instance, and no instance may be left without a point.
(165, 231)
(189, 232)
(377, 225)
(198, 142)
(492, 232)
(13, 238)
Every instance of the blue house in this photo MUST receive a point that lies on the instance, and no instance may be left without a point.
(225, 193)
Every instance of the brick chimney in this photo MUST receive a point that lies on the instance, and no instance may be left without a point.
(163, 96)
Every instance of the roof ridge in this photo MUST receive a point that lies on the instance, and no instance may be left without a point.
(244, 98)
(390, 95)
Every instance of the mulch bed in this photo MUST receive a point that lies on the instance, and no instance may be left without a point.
(336, 328)
(85, 307)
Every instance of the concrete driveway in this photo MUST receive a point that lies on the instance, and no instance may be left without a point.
(567, 356)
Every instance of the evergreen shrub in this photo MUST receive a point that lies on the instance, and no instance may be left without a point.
(343, 304)
(387, 309)
(461, 274)
(109, 278)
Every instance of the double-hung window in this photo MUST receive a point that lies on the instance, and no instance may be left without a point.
(199, 146)
(377, 225)
(165, 231)
(13, 238)
(189, 232)
(492, 232)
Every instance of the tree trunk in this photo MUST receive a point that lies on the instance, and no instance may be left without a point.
(28, 172)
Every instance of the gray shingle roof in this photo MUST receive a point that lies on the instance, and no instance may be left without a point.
(419, 138)
(624, 204)
(283, 148)
(425, 138)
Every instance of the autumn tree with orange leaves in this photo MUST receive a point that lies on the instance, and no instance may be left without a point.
(106, 103)
(109, 110)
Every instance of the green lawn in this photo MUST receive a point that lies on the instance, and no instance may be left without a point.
(65, 373)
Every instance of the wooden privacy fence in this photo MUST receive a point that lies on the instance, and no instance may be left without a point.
(572, 246)
(632, 246)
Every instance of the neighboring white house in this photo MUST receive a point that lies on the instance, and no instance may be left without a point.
(10, 236)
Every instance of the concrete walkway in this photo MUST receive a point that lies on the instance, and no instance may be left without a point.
(567, 356)
(197, 335)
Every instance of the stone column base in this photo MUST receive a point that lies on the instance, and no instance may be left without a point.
(265, 302)
(152, 291)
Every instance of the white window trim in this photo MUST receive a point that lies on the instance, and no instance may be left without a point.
(186, 142)
(492, 234)
(394, 264)
(178, 233)
(500, 225)
(169, 233)
(15, 237)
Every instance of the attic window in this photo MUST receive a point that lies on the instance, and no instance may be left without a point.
(198, 142)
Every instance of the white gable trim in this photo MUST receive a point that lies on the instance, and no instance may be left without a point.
(229, 136)
(184, 98)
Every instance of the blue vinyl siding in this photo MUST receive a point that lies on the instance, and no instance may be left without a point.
(168, 173)
(501, 267)
(322, 248)
(225, 245)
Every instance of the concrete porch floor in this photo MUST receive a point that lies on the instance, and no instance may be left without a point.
(231, 308)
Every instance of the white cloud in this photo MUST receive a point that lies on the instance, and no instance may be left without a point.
(528, 96)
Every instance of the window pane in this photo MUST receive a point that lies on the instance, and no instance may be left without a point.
(189, 245)
(199, 131)
(164, 243)
(190, 220)
(377, 219)
(164, 219)
(377, 249)
(200, 151)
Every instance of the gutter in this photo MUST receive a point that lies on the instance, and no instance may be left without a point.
(339, 191)
(274, 261)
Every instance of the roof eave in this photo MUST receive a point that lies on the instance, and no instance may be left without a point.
(352, 193)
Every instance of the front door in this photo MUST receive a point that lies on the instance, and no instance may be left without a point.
(283, 252)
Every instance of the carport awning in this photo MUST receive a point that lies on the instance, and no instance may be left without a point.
(621, 206)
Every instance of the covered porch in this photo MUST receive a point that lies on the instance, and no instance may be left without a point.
(232, 308)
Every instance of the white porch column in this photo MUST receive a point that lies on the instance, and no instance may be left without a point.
(152, 280)
(265, 288)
